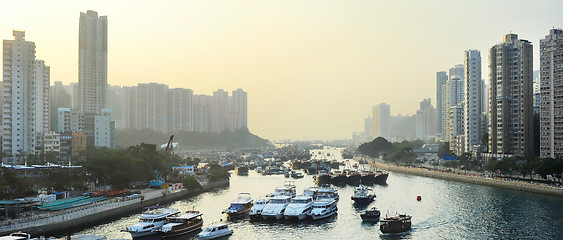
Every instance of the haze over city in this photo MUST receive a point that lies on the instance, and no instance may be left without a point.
(312, 69)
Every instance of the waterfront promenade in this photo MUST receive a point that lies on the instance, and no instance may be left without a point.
(54, 223)
(469, 178)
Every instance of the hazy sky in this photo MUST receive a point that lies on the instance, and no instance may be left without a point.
(312, 69)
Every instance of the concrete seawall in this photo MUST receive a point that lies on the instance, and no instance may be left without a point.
(61, 222)
(515, 185)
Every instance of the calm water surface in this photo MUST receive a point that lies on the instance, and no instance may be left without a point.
(448, 210)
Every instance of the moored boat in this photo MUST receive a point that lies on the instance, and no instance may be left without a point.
(298, 208)
(338, 177)
(241, 170)
(380, 177)
(152, 219)
(256, 210)
(397, 224)
(188, 222)
(275, 207)
(288, 189)
(215, 231)
(323, 207)
(328, 191)
(322, 177)
(240, 207)
(371, 215)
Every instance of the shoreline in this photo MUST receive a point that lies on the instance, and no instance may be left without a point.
(75, 219)
(514, 185)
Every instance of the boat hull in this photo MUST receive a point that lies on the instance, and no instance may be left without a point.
(183, 230)
(363, 200)
(381, 178)
(143, 234)
(318, 217)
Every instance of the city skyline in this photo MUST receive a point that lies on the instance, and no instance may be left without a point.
(294, 60)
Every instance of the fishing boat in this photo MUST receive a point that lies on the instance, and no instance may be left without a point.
(215, 231)
(362, 195)
(397, 224)
(380, 177)
(256, 210)
(188, 222)
(322, 177)
(371, 215)
(152, 219)
(296, 174)
(240, 207)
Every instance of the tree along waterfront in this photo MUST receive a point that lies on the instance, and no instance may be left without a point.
(118, 168)
(517, 167)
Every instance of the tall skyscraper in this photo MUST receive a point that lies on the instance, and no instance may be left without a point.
(381, 124)
(180, 109)
(551, 110)
(92, 62)
(59, 98)
(25, 111)
(368, 128)
(223, 100)
(441, 79)
(239, 110)
(510, 92)
(454, 95)
(425, 122)
(152, 99)
(473, 96)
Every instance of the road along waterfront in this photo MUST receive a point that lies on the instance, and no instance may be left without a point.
(448, 210)
(64, 221)
(495, 182)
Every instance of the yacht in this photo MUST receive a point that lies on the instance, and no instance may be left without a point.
(240, 207)
(329, 191)
(312, 191)
(152, 219)
(256, 210)
(299, 207)
(275, 207)
(362, 195)
(188, 222)
(286, 190)
(323, 207)
(215, 231)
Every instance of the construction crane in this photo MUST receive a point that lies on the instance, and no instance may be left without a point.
(169, 145)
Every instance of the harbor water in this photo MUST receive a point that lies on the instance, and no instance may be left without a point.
(448, 210)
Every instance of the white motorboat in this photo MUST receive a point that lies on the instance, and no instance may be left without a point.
(323, 207)
(17, 236)
(152, 219)
(188, 222)
(288, 189)
(312, 191)
(299, 208)
(276, 207)
(215, 231)
(256, 210)
(328, 191)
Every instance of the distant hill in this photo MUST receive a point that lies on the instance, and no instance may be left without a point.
(241, 138)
